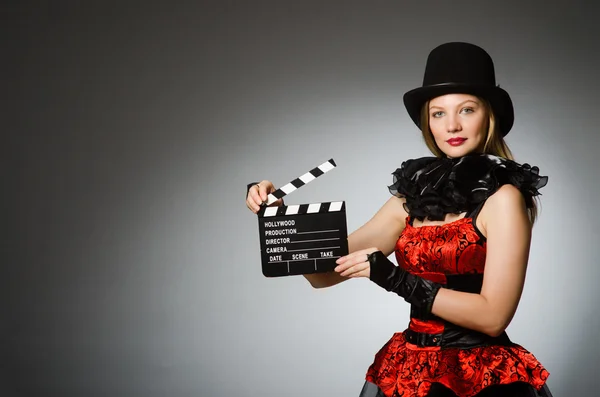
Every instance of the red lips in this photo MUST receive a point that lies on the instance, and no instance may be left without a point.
(456, 141)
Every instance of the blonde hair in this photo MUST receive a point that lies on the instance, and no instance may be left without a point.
(494, 144)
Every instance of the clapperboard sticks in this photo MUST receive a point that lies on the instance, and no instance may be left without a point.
(305, 238)
(300, 181)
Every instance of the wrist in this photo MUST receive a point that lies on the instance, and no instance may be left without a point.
(428, 307)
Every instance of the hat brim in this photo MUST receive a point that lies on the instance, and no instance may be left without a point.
(499, 99)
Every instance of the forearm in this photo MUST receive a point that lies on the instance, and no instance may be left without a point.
(381, 231)
(469, 310)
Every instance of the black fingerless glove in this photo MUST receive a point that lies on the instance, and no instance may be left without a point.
(414, 289)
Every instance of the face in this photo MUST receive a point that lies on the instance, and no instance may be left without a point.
(458, 123)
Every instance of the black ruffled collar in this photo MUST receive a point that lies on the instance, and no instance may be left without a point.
(434, 186)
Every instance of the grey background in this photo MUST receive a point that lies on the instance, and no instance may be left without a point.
(130, 264)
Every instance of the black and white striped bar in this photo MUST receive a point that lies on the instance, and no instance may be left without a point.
(302, 239)
(300, 181)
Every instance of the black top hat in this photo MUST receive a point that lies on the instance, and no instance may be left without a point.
(461, 68)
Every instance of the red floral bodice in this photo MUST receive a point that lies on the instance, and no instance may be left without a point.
(452, 248)
(400, 368)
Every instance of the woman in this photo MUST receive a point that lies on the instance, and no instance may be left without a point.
(464, 221)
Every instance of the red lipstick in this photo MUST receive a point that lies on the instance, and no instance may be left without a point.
(456, 141)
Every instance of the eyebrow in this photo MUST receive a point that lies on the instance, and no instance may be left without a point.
(460, 104)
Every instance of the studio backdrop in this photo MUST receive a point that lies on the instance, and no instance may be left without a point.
(131, 265)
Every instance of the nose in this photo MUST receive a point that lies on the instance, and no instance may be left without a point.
(452, 124)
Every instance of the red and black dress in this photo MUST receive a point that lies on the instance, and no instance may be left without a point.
(434, 357)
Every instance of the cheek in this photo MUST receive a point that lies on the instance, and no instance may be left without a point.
(475, 128)
(481, 127)
(435, 127)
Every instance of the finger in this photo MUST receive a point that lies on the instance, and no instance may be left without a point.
(255, 195)
(341, 260)
(347, 272)
(344, 259)
(342, 267)
(252, 206)
(344, 263)
(262, 191)
(351, 260)
(253, 199)
(353, 270)
(363, 255)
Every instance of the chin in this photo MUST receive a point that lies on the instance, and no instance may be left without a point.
(454, 152)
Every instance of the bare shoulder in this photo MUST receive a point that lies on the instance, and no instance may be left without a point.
(506, 204)
(507, 196)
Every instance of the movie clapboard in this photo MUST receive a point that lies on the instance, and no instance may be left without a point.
(304, 238)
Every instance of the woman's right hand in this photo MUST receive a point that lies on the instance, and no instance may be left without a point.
(258, 194)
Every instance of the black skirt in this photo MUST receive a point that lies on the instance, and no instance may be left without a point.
(517, 389)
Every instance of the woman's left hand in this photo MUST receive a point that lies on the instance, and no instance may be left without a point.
(355, 264)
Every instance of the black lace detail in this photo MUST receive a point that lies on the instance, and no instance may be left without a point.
(434, 187)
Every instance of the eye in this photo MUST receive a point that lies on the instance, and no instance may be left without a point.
(468, 110)
(437, 114)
